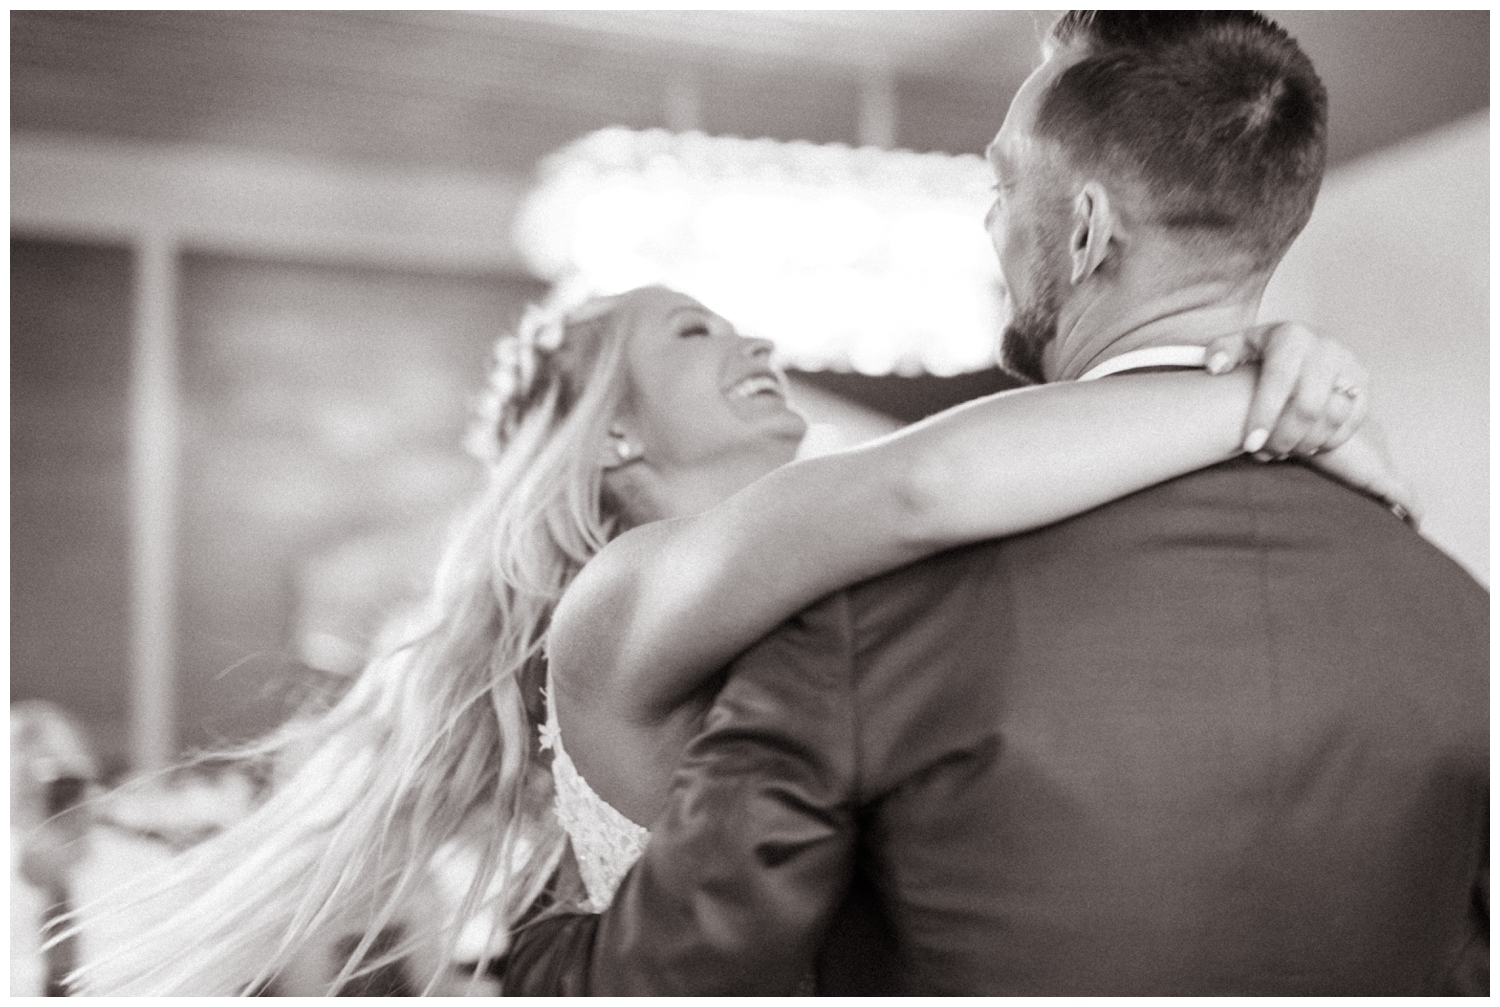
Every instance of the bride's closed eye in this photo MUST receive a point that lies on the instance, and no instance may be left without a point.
(695, 329)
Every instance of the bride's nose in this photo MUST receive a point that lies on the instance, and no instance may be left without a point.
(754, 346)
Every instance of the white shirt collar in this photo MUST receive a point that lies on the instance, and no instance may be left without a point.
(1150, 356)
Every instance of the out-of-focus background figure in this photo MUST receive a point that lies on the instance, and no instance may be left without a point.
(258, 260)
(52, 770)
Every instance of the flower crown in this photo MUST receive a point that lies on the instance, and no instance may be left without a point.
(520, 359)
(524, 362)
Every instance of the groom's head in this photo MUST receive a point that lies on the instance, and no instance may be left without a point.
(1160, 146)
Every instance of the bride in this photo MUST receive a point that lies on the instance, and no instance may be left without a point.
(644, 521)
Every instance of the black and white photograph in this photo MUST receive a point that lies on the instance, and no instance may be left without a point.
(749, 503)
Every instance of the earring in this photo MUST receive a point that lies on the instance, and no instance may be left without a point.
(622, 452)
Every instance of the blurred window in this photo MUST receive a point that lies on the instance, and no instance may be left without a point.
(70, 377)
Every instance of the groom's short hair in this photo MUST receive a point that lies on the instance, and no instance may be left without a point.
(1218, 114)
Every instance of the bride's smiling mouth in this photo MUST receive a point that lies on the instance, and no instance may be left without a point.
(760, 385)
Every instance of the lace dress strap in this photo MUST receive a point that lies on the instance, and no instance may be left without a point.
(605, 843)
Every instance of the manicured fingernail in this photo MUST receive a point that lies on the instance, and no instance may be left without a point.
(1257, 440)
(1218, 363)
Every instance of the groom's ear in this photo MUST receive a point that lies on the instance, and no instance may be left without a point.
(1090, 231)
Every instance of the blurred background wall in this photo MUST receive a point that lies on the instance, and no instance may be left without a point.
(1395, 260)
(258, 259)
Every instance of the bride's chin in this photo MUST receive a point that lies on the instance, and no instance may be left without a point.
(790, 431)
(789, 420)
(772, 437)
(777, 446)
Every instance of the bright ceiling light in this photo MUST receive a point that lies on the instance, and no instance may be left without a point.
(849, 259)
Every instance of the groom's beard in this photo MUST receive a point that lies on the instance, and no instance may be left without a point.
(1027, 335)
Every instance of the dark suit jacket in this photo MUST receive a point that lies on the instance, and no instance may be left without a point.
(1225, 736)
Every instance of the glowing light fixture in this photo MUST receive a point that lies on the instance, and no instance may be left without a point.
(849, 258)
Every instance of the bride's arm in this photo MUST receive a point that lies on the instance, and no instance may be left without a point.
(668, 603)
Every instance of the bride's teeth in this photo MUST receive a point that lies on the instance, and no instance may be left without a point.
(755, 385)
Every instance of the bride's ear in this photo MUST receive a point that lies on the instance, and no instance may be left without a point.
(618, 449)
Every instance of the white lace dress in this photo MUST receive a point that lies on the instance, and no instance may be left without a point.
(605, 842)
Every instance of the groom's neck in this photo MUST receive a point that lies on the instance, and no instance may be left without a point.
(1113, 321)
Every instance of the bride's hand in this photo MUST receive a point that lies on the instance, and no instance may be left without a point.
(1311, 401)
(1312, 393)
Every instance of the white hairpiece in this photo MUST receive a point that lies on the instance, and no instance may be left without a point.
(521, 359)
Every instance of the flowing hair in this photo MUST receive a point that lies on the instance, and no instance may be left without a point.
(436, 741)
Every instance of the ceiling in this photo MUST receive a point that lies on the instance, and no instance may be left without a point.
(494, 91)
(973, 44)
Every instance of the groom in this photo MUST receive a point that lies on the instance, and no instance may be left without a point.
(1225, 736)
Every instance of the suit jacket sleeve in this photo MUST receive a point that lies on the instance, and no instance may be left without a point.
(745, 868)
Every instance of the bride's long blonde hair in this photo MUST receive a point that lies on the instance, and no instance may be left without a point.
(434, 741)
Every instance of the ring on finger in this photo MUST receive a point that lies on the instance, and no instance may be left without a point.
(1346, 388)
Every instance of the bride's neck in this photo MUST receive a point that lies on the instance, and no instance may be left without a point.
(650, 494)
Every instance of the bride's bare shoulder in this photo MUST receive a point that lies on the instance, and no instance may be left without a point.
(595, 609)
